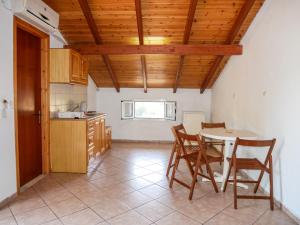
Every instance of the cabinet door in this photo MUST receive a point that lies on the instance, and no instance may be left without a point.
(76, 64)
(103, 135)
(85, 70)
(97, 137)
(59, 66)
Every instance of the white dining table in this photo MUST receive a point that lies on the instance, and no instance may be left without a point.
(228, 136)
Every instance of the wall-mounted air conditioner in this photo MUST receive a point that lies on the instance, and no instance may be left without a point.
(37, 13)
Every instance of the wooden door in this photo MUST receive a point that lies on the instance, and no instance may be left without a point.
(76, 65)
(29, 105)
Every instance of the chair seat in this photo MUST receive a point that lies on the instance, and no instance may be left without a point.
(213, 152)
(192, 148)
(248, 164)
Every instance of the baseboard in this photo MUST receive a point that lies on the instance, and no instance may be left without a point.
(32, 182)
(5, 202)
(23, 188)
(278, 203)
(141, 141)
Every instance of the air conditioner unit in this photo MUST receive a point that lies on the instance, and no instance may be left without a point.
(37, 13)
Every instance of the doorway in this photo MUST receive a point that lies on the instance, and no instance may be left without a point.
(31, 59)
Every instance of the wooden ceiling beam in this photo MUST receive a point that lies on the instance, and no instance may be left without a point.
(186, 37)
(94, 30)
(189, 21)
(139, 19)
(201, 49)
(144, 72)
(106, 60)
(230, 40)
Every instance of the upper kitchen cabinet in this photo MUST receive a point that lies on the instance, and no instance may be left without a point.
(68, 66)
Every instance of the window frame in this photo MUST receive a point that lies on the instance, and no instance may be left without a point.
(145, 118)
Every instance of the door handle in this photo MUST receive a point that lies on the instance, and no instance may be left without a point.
(38, 114)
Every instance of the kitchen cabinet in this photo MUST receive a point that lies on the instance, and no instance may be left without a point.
(68, 66)
(73, 142)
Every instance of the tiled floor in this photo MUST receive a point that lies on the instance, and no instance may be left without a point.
(128, 186)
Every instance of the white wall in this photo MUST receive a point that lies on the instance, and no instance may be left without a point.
(109, 101)
(260, 91)
(91, 95)
(7, 133)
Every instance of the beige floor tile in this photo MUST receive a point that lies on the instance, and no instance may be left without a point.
(166, 182)
(118, 190)
(67, 206)
(91, 198)
(86, 217)
(154, 177)
(110, 171)
(155, 167)
(154, 210)
(276, 217)
(201, 212)
(8, 221)
(55, 195)
(129, 218)
(153, 191)
(222, 219)
(106, 181)
(4, 213)
(128, 185)
(27, 194)
(135, 199)
(79, 186)
(248, 210)
(53, 222)
(143, 162)
(110, 207)
(21, 205)
(36, 216)
(176, 199)
(103, 223)
(93, 175)
(138, 171)
(176, 219)
(203, 209)
(138, 183)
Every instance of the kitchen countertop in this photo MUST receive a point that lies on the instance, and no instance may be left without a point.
(86, 117)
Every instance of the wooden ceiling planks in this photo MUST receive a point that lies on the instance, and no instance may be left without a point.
(94, 30)
(186, 37)
(233, 37)
(163, 23)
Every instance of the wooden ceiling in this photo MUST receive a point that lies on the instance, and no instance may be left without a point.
(111, 25)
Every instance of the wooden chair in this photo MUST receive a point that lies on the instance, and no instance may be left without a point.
(213, 143)
(251, 164)
(176, 145)
(195, 155)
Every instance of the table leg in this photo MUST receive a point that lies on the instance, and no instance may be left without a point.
(227, 151)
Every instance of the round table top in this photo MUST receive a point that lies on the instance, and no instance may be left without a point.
(227, 134)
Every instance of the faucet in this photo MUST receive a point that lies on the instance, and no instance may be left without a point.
(74, 108)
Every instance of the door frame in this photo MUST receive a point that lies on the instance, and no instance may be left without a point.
(45, 43)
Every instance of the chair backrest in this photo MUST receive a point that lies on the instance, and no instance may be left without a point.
(213, 125)
(190, 138)
(256, 144)
(176, 129)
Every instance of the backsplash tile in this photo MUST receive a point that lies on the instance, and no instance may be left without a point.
(64, 97)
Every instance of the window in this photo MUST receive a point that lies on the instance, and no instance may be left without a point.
(164, 110)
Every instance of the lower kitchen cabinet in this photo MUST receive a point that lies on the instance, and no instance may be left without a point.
(73, 142)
